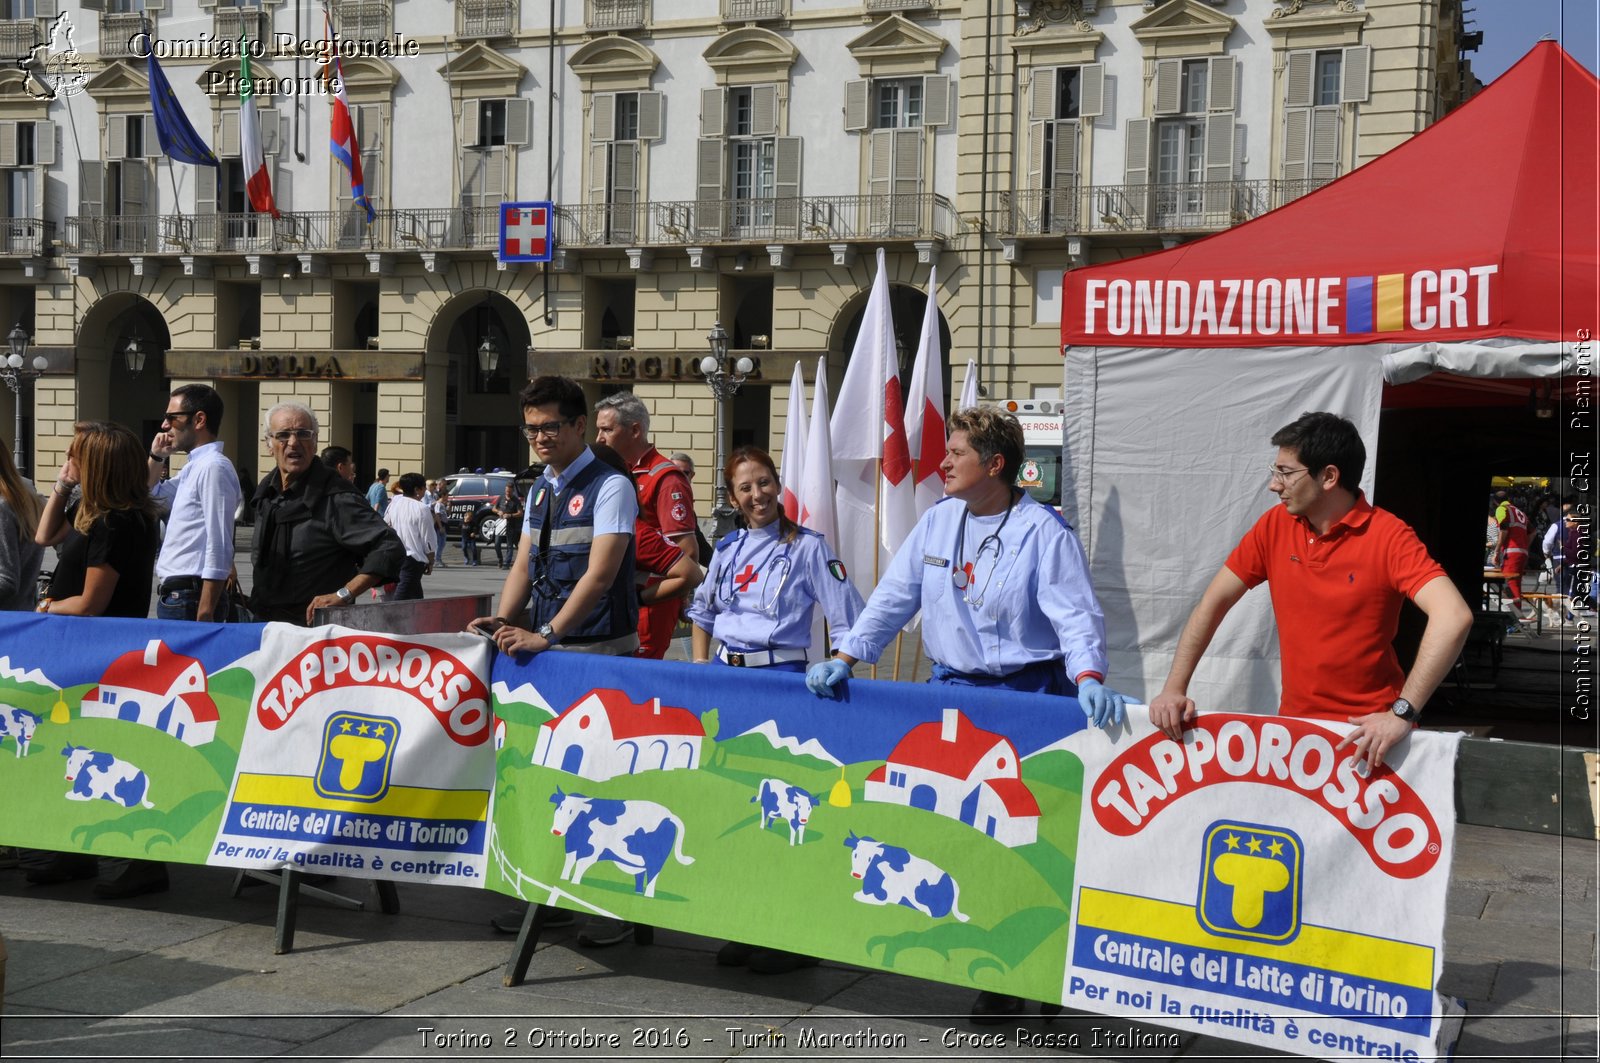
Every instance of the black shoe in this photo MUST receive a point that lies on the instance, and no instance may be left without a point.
(63, 867)
(510, 921)
(992, 1009)
(776, 961)
(602, 932)
(140, 877)
(734, 954)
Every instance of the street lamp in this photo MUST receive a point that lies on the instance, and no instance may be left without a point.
(133, 353)
(724, 385)
(14, 372)
(488, 357)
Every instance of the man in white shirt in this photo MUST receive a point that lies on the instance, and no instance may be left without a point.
(196, 556)
(412, 520)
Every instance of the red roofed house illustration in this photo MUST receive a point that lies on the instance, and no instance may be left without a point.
(158, 688)
(603, 735)
(958, 770)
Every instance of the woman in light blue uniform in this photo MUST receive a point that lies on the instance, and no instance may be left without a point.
(766, 578)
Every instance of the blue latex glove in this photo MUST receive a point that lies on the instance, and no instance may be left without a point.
(823, 676)
(1101, 704)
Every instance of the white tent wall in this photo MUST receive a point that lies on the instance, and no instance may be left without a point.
(1164, 468)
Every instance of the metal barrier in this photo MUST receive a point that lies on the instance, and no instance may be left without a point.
(425, 616)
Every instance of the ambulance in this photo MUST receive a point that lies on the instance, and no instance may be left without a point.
(1043, 430)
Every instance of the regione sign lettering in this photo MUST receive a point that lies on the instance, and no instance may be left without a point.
(525, 232)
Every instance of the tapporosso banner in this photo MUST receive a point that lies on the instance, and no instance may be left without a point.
(1247, 883)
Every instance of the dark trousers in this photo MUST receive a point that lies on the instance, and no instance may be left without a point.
(182, 602)
(469, 543)
(408, 585)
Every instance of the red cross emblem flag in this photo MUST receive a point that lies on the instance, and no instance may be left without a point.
(525, 234)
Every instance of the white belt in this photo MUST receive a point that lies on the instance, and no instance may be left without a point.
(758, 658)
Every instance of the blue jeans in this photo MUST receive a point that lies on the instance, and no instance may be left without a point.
(469, 545)
(1041, 677)
(183, 603)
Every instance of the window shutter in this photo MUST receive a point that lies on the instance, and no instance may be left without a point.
(624, 196)
(44, 143)
(857, 93)
(880, 161)
(1219, 163)
(155, 5)
(599, 171)
(134, 186)
(1169, 86)
(1297, 77)
(282, 185)
(763, 110)
(1042, 95)
(1296, 137)
(91, 187)
(1355, 74)
(907, 184)
(1092, 90)
(228, 143)
(271, 141)
(471, 115)
(371, 129)
(786, 182)
(47, 9)
(708, 185)
(494, 176)
(1036, 138)
(205, 190)
(712, 123)
(519, 122)
(1065, 170)
(1221, 74)
(116, 136)
(8, 143)
(152, 143)
(603, 117)
(650, 108)
(1324, 154)
(935, 100)
(1136, 151)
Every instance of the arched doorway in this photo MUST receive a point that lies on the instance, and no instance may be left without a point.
(906, 307)
(475, 328)
(121, 363)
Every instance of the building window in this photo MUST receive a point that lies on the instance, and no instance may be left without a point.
(1317, 85)
(622, 122)
(748, 175)
(899, 103)
(1062, 105)
(1326, 82)
(1191, 139)
(491, 124)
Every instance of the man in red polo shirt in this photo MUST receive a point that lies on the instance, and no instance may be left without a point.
(1337, 569)
(666, 502)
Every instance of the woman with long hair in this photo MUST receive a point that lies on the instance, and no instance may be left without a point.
(20, 556)
(102, 521)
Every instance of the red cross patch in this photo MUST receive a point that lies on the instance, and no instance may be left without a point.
(575, 506)
(747, 578)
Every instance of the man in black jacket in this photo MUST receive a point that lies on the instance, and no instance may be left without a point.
(318, 544)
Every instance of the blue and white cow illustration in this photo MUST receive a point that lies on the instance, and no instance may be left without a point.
(637, 836)
(100, 775)
(891, 875)
(18, 724)
(791, 804)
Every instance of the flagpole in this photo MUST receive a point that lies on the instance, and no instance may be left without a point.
(877, 532)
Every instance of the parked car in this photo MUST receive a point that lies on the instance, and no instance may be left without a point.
(472, 494)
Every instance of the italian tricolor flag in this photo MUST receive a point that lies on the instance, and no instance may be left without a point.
(257, 182)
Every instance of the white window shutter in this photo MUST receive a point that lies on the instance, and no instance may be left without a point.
(786, 182)
(155, 5)
(494, 176)
(1296, 140)
(152, 143)
(8, 143)
(880, 162)
(651, 106)
(116, 136)
(91, 187)
(1324, 153)
(1136, 151)
(763, 110)
(1219, 163)
(1092, 90)
(46, 9)
(625, 173)
(1065, 169)
(1042, 94)
(712, 122)
(271, 141)
(371, 128)
(228, 143)
(935, 100)
(1169, 86)
(1036, 139)
(708, 183)
(282, 185)
(1355, 74)
(519, 122)
(1297, 79)
(134, 186)
(603, 117)
(857, 115)
(205, 189)
(471, 116)
(1221, 76)
(599, 172)
(44, 143)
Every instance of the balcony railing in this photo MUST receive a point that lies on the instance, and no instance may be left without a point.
(604, 16)
(753, 10)
(486, 19)
(117, 32)
(26, 236)
(17, 38)
(1289, 191)
(229, 22)
(295, 232)
(899, 5)
(1204, 206)
(362, 20)
(821, 219)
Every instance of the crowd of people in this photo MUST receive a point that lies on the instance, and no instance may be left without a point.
(1533, 532)
(609, 558)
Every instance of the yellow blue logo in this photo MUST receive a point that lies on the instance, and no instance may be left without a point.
(357, 755)
(1250, 882)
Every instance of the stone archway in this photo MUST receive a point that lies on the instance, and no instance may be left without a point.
(481, 410)
(907, 304)
(108, 387)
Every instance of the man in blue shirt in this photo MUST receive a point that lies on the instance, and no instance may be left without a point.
(197, 553)
(378, 492)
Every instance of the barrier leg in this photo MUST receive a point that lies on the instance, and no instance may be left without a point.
(288, 911)
(522, 950)
(388, 899)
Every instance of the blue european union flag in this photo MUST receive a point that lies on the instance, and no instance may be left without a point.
(178, 138)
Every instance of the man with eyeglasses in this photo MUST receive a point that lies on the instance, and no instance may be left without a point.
(574, 568)
(196, 556)
(318, 544)
(1338, 569)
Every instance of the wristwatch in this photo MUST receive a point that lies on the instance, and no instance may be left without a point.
(548, 633)
(344, 595)
(1404, 709)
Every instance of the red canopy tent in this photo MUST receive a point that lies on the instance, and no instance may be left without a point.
(1471, 249)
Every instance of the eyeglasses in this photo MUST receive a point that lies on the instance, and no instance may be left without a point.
(549, 428)
(1278, 475)
(173, 415)
(300, 434)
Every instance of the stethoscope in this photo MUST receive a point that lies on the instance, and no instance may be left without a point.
(958, 574)
(768, 606)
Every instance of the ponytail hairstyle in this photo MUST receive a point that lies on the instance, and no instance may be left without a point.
(788, 530)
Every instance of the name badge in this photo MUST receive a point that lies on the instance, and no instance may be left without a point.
(941, 562)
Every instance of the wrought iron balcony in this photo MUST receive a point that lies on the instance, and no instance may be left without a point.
(485, 19)
(362, 20)
(753, 10)
(899, 5)
(17, 38)
(605, 16)
(26, 236)
(1289, 191)
(117, 32)
(818, 219)
(229, 22)
(294, 232)
(1203, 206)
